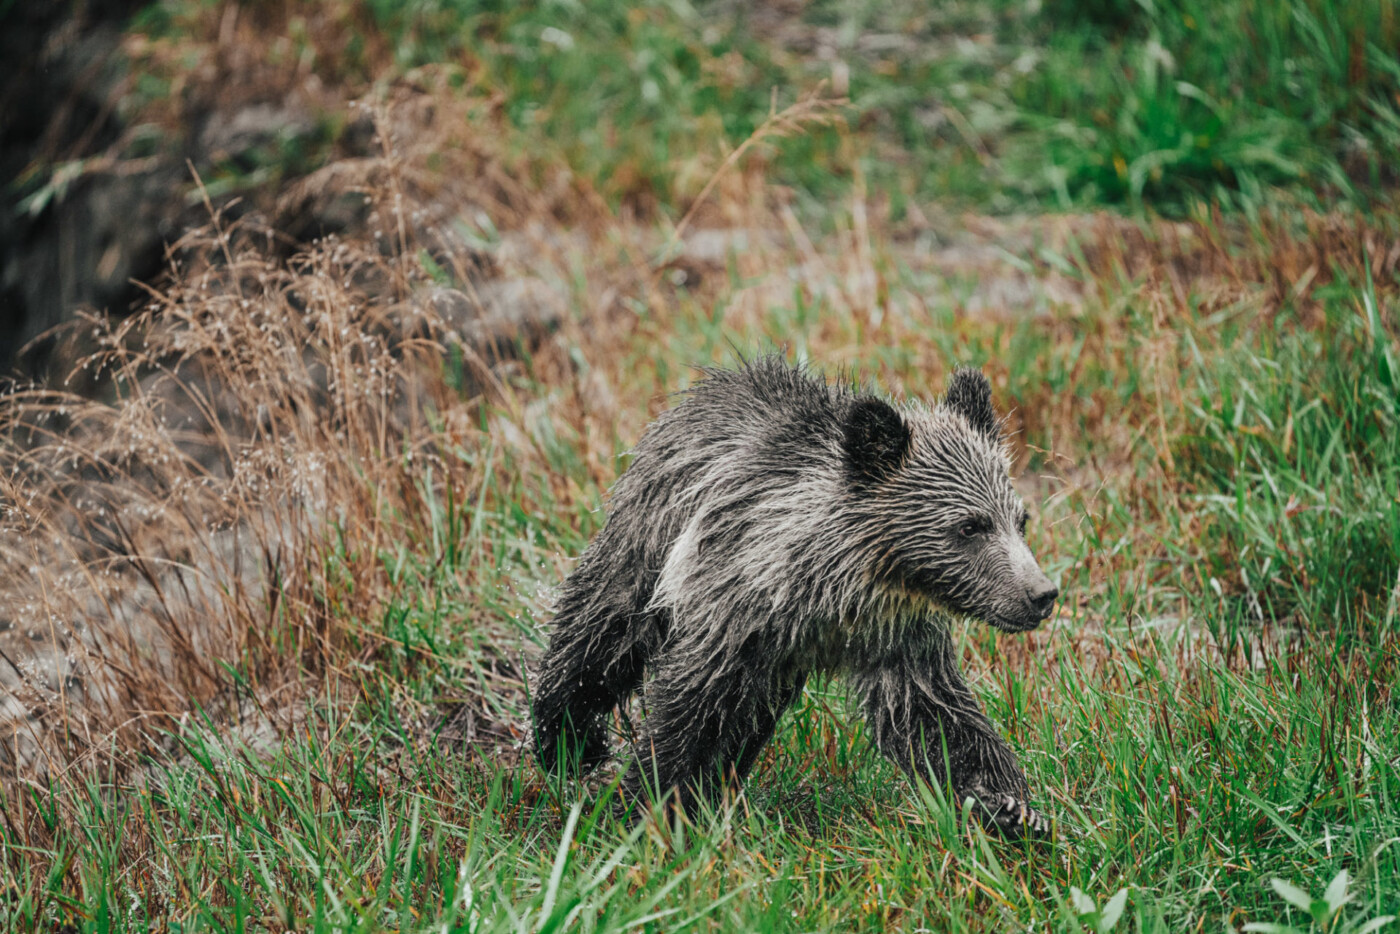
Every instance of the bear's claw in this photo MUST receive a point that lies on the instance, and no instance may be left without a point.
(1014, 818)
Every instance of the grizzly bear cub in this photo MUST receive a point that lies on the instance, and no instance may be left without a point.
(771, 526)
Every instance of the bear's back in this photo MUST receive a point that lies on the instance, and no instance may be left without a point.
(777, 415)
(760, 434)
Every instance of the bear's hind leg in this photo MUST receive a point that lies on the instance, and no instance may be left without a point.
(704, 731)
(740, 759)
(589, 668)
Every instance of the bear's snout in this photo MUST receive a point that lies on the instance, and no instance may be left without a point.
(1042, 598)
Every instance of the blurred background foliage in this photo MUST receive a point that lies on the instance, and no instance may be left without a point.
(998, 107)
(999, 104)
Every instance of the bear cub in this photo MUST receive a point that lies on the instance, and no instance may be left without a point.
(773, 526)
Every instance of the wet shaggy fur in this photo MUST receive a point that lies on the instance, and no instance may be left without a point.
(773, 526)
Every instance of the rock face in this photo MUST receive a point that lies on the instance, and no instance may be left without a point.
(84, 212)
(55, 109)
(84, 252)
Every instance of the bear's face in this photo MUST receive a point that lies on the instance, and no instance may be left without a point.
(945, 522)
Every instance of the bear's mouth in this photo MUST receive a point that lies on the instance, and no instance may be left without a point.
(1025, 623)
(1024, 619)
(1020, 622)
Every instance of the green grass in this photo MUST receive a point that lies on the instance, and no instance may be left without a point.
(1297, 435)
(1128, 102)
(1174, 100)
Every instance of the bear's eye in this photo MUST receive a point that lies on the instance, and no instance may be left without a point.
(973, 527)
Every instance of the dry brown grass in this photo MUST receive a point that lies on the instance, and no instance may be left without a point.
(245, 447)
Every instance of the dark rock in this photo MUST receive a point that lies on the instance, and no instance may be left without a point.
(56, 107)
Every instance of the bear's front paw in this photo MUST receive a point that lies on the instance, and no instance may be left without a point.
(1013, 817)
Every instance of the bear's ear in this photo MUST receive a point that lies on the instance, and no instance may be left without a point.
(970, 395)
(876, 439)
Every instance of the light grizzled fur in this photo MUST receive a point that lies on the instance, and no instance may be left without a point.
(772, 526)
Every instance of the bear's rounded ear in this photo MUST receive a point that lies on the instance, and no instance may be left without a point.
(970, 395)
(875, 439)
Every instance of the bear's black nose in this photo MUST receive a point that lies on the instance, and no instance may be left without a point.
(1042, 598)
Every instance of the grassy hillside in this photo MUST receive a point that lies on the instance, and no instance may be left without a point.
(281, 580)
(998, 105)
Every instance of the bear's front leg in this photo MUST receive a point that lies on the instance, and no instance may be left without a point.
(918, 706)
